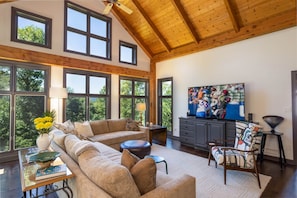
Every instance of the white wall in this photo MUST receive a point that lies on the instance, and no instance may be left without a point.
(263, 63)
(54, 9)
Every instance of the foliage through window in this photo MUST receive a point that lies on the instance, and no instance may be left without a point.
(88, 95)
(30, 28)
(22, 98)
(132, 92)
(128, 53)
(165, 97)
(87, 32)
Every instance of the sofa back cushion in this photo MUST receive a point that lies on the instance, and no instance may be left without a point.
(99, 126)
(58, 137)
(113, 178)
(75, 147)
(117, 125)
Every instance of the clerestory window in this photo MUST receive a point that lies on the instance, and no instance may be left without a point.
(87, 32)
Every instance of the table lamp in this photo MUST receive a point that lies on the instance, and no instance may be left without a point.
(141, 107)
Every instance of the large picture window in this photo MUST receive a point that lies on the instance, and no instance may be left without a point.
(30, 28)
(132, 92)
(88, 95)
(87, 32)
(23, 93)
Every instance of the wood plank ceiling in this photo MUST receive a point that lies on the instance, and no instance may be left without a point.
(166, 29)
(170, 28)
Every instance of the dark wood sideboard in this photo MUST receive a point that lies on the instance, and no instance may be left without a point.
(197, 132)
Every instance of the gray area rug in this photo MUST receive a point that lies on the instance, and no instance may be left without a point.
(210, 180)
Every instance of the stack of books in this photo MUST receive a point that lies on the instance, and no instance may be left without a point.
(52, 171)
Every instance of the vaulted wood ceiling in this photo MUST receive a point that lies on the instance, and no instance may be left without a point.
(166, 29)
(171, 28)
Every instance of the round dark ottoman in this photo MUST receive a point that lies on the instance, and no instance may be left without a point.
(140, 148)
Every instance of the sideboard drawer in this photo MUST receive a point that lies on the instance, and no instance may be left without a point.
(186, 133)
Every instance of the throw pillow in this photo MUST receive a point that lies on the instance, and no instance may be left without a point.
(144, 175)
(132, 125)
(84, 129)
(128, 159)
(66, 127)
(143, 171)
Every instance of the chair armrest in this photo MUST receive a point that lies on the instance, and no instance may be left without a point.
(235, 149)
(176, 188)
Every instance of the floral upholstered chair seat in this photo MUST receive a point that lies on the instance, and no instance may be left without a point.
(243, 155)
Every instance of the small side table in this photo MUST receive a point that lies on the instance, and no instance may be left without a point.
(158, 159)
(158, 134)
(282, 157)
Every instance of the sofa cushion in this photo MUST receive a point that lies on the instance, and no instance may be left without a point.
(58, 137)
(117, 125)
(143, 171)
(118, 137)
(114, 178)
(99, 126)
(132, 125)
(129, 159)
(83, 129)
(75, 147)
(66, 127)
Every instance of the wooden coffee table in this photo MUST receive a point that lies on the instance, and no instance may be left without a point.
(27, 176)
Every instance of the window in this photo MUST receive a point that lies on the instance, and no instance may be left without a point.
(23, 93)
(165, 102)
(128, 53)
(132, 92)
(88, 95)
(30, 28)
(87, 32)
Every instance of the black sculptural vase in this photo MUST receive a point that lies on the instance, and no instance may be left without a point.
(273, 121)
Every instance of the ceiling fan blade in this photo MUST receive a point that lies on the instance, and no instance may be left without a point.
(124, 8)
(107, 8)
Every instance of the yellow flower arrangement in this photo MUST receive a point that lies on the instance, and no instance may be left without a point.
(43, 124)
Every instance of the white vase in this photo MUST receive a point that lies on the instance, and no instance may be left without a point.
(43, 142)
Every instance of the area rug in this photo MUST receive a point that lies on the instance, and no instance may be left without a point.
(209, 180)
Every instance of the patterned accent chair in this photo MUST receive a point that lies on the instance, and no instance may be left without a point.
(242, 156)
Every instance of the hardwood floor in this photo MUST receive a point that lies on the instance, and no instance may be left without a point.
(282, 185)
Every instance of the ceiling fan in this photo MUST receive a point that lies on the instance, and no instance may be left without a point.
(110, 3)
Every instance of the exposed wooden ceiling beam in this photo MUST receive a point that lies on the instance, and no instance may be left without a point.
(6, 1)
(184, 16)
(129, 29)
(232, 16)
(272, 24)
(152, 25)
(23, 55)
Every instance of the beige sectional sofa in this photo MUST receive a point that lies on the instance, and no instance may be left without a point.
(111, 132)
(99, 172)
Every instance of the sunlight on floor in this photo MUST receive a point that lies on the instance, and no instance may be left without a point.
(1, 171)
